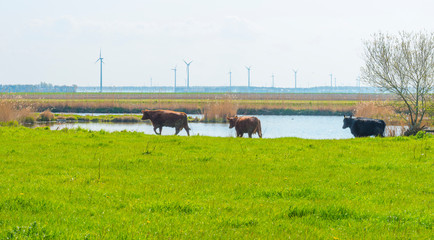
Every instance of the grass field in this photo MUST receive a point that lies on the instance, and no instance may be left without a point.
(76, 184)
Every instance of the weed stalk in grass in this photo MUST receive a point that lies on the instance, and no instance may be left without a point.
(148, 150)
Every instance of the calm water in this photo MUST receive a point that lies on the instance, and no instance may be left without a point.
(311, 127)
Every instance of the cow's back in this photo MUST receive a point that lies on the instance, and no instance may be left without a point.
(364, 127)
(167, 118)
(247, 124)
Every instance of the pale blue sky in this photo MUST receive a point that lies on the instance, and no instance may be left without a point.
(58, 42)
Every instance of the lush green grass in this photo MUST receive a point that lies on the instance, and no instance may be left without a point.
(75, 184)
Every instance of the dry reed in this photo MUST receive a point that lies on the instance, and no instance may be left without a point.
(219, 110)
(47, 115)
(379, 110)
(13, 111)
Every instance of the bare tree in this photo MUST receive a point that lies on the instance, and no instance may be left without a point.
(403, 65)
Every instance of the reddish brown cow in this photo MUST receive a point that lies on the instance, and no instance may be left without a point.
(245, 124)
(167, 118)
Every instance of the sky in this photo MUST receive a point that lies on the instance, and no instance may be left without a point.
(58, 42)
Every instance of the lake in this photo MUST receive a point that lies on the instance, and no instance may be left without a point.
(310, 127)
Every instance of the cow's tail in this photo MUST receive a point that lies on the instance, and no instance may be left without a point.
(186, 124)
(186, 127)
(258, 129)
(383, 128)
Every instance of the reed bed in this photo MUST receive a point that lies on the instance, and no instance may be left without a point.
(218, 111)
(191, 102)
(378, 110)
(386, 112)
(14, 111)
(187, 105)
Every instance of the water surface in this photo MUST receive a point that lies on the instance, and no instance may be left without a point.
(310, 127)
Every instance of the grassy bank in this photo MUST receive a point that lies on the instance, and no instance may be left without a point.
(75, 184)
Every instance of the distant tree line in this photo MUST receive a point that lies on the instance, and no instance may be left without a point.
(42, 87)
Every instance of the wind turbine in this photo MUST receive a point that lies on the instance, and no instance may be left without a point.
(174, 86)
(188, 73)
(230, 80)
(248, 75)
(331, 80)
(295, 77)
(100, 74)
(272, 80)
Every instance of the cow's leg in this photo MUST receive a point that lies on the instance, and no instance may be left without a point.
(155, 130)
(187, 130)
(250, 134)
(177, 130)
(381, 133)
(161, 129)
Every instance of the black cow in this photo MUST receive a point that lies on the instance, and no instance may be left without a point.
(364, 127)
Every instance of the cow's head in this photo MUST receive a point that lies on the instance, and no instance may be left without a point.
(348, 121)
(145, 114)
(232, 121)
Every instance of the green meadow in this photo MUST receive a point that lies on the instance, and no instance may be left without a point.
(76, 184)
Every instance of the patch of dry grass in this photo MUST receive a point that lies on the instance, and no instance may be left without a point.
(379, 110)
(46, 115)
(13, 111)
(219, 110)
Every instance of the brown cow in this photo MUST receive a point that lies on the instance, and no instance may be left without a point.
(167, 118)
(243, 125)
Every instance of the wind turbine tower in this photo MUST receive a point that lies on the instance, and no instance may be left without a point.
(230, 81)
(248, 76)
(174, 86)
(100, 73)
(331, 80)
(188, 73)
(295, 78)
(272, 80)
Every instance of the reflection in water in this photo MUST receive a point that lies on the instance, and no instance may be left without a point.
(310, 127)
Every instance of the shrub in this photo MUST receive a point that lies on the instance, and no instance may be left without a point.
(28, 120)
(71, 118)
(46, 116)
